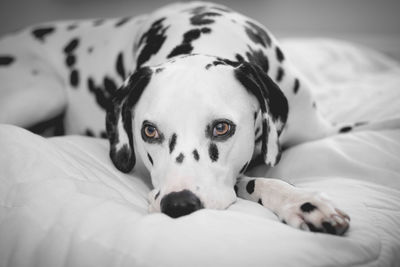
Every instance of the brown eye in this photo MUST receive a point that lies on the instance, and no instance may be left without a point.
(222, 128)
(151, 132)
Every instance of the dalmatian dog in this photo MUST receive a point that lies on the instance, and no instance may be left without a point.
(196, 91)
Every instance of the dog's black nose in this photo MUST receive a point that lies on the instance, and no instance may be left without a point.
(181, 203)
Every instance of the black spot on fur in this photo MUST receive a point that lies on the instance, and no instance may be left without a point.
(205, 30)
(196, 155)
(257, 131)
(279, 74)
(296, 86)
(122, 21)
(283, 221)
(279, 54)
(98, 22)
(179, 158)
(202, 17)
(307, 207)
(345, 129)
(360, 123)
(157, 195)
(35, 72)
(120, 66)
(41, 33)
(70, 61)
(258, 58)
(186, 46)
(72, 27)
(103, 134)
(243, 169)
(71, 46)
(260, 201)
(150, 159)
(159, 69)
(250, 186)
(257, 34)
(89, 132)
(90, 49)
(172, 143)
(153, 39)
(109, 85)
(314, 105)
(74, 78)
(6, 60)
(213, 152)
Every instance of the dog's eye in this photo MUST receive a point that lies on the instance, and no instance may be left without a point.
(150, 131)
(221, 129)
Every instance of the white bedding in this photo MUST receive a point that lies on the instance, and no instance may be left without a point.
(62, 202)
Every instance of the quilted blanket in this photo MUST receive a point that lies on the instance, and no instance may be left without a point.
(63, 203)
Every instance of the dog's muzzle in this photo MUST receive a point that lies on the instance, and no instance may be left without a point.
(177, 204)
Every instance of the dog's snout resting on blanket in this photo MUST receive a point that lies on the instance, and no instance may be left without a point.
(206, 94)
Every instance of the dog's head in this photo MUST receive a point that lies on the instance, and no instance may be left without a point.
(192, 122)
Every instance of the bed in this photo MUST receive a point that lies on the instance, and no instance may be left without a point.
(63, 203)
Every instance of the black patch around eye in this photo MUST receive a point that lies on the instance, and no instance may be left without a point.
(279, 74)
(307, 207)
(74, 78)
(71, 46)
(196, 155)
(120, 66)
(210, 130)
(122, 21)
(6, 60)
(172, 143)
(345, 129)
(250, 186)
(150, 159)
(41, 33)
(213, 152)
(279, 54)
(179, 158)
(296, 86)
(149, 140)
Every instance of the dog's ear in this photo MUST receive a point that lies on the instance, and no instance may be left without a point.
(273, 105)
(119, 119)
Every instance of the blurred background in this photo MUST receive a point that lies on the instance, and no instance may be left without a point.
(374, 23)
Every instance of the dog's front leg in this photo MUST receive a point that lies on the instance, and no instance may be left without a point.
(310, 211)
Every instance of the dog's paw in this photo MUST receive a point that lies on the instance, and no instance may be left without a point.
(314, 212)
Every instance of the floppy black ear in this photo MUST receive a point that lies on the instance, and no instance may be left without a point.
(119, 119)
(273, 105)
